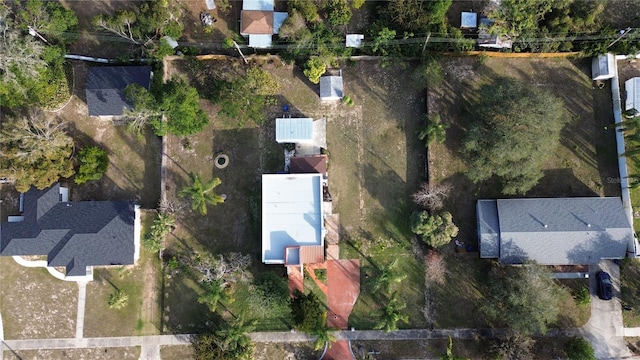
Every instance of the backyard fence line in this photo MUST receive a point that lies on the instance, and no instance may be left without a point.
(514, 55)
(102, 60)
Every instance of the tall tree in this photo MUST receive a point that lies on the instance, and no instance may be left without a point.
(436, 230)
(392, 314)
(389, 276)
(48, 18)
(234, 340)
(525, 298)
(35, 150)
(214, 293)
(201, 193)
(93, 163)
(306, 312)
(514, 130)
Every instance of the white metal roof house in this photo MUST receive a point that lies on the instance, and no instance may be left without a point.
(292, 221)
(554, 231)
(603, 67)
(331, 88)
(259, 22)
(632, 101)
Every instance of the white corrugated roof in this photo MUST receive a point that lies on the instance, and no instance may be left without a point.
(294, 130)
(632, 89)
(469, 20)
(260, 41)
(278, 20)
(264, 5)
(354, 40)
(331, 88)
(291, 213)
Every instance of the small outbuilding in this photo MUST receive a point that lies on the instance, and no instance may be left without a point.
(259, 22)
(331, 88)
(294, 130)
(106, 84)
(632, 102)
(468, 20)
(603, 67)
(354, 40)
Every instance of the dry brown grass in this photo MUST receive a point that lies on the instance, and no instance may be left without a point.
(122, 353)
(34, 304)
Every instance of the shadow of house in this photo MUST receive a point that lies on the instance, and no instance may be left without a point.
(560, 183)
(76, 235)
(554, 231)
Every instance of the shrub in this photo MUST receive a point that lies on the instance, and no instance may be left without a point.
(321, 274)
(94, 162)
(314, 68)
(436, 230)
(583, 297)
(579, 349)
(272, 286)
(118, 299)
(347, 100)
(357, 4)
(338, 12)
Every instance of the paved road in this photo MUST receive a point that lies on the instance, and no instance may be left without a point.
(605, 328)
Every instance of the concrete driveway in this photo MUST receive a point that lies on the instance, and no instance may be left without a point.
(605, 329)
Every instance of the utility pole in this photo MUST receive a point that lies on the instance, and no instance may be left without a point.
(424, 47)
(622, 33)
(34, 33)
(240, 51)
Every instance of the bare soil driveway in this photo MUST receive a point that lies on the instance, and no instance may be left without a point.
(605, 329)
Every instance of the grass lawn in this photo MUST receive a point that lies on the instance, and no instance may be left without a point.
(121, 353)
(141, 315)
(371, 176)
(630, 280)
(176, 352)
(293, 351)
(580, 165)
(34, 304)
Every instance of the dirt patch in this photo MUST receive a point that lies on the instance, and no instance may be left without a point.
(34, 304)
(176, 352)
(122, 353)
(284, 351)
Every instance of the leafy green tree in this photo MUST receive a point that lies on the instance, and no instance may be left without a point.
(389, 276)
(294, 27)
(246, 98)
(579, 349)
(21, 65)
(384, 43)
(357, 4)
(338, 12)
(525, 298)
(307, 8)
(392, 314)
(35, 150)
(516, 128)
(418, 15)
(174, 109)
(49, 18)
(162, 225)
(201, 193)
(436, 230)
(272, 287)
(306, 312)
(435, 131)
(93, 162)
(314, 69)
(118, 299)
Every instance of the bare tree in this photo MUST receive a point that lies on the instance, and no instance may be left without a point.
(431, 197)
(435, 267)
(20, 56)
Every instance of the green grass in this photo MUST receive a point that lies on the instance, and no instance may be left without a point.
(630, 279)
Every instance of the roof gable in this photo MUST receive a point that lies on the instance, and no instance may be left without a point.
(105, 88)
(256, 22)
(331, 88)
(308, 164)
(72, 234)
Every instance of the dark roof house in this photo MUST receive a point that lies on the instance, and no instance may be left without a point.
(554, 231)
(106, 84)
(75, 234)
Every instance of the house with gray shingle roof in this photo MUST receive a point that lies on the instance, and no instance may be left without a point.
(75, 235)
(105, 88)
(554, 231)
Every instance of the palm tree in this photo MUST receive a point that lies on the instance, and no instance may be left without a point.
(324, 335)
(388, 277)
(202, 194)
(214, 293)
(118, 299)
(435, 131)
(235, 342)
(391, 314)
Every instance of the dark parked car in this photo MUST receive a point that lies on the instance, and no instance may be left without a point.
(604, 285)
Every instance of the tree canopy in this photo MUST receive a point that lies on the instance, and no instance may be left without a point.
(246, 97)
(93, 163)
(513, 131)
(525, 298)
(436, 230)
(175, 109)
(49, 18)
(306, 312)
(35, 150)
(201, 193)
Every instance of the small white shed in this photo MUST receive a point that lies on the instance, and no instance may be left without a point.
(331, 88)
(468, 20)
(354, 40)
(603, 67)
(294, 130)
(632, 102)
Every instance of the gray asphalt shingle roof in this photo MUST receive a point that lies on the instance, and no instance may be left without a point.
(72, 234)
(331, 87)
(105, 87)
(558, 231)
